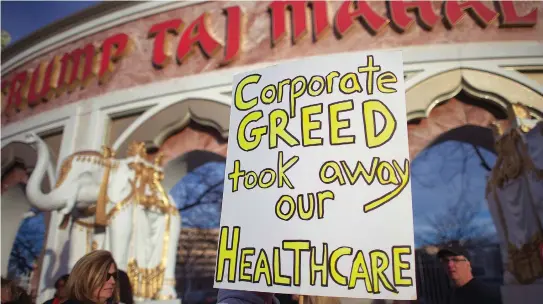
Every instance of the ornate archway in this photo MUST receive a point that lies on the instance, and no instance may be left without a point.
(498, 90)
(199, 115)
(434, 105)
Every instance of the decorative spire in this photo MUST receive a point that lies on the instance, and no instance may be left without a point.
(497, 129)
(158, 159)
(520, 117)
(137, 149)
(521, 111)
(107, 152)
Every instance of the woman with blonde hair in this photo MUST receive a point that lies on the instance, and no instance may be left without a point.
(93, 280)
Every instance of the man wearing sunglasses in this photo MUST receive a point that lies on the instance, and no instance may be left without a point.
(467, 289)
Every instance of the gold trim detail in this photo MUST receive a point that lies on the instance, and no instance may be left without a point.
(66, 166)
(519, 111)
(100, 217)
(111, 214)
(146, 282)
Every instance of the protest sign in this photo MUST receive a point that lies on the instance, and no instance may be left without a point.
(317, 194)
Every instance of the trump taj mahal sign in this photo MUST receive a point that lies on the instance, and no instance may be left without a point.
(174, 40)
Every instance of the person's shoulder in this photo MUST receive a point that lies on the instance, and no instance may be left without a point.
(50, 301)
(475, 283)
(226, 296)
(71, 302)
(488, 292)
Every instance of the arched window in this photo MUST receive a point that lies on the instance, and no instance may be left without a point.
(198, 196)
(448, 187)
(449, 181)
(22, 236)
(27, 246)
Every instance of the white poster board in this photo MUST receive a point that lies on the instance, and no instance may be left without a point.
(318, 166)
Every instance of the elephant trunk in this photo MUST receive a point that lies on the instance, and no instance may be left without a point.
(36, 197)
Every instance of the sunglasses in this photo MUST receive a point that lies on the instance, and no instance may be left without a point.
(111, 275)
(454, 260)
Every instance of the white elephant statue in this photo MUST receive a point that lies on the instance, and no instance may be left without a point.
(117, 205)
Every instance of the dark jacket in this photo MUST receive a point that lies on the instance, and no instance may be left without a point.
(79, 302)
(226, 296)
(476, 292)
(73, 302)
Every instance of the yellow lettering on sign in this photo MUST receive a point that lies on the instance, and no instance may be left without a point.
(374, 139)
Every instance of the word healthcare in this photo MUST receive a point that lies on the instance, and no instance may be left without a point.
(368, 267)
(316, 197)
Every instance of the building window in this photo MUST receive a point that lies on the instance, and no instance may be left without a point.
(27, 247)
(449, 203)
(448, 185)
(198, 196)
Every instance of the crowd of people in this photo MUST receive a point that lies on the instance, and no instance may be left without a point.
(13, 294)
(95, 279)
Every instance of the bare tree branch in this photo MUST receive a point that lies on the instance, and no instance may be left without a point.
(460, 218)
(199, 197)
(198, 200)
(26, 247)
(484, 164)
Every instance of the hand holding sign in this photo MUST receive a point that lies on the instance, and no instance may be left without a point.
(316, 197)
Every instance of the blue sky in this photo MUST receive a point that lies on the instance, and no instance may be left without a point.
(27, 246)
(202, 188)
(21, 18)
(444, 176)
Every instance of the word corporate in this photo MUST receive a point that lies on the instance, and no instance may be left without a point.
(76, 69)
(376, 268)
(278, 120)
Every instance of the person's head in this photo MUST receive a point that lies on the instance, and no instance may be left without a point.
(94, 279)
(6, 290)
(455, 259)
(11, 293)
(60, 285)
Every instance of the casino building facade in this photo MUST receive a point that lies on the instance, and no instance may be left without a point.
(161, 72)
